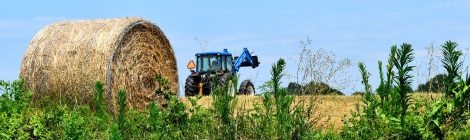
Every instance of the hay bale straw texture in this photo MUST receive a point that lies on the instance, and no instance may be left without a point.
(65, 59)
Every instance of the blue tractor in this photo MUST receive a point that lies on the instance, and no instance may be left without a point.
(218, 67)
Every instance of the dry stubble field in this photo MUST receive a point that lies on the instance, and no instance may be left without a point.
(330, 109)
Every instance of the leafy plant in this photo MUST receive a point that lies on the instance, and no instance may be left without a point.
(99, 106)
(224, 106)
(122, 108)
(401, 60)
(452, 63)
(283, 102)
(385, 114)
(14, 101)
(171, 121)
(276, 117)
(115, 133)
(452, 112)
(74, 126)
(14, 97)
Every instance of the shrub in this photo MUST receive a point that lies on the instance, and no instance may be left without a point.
(392, 114)
(312, 88)
(115, 133)
(14, 102)
(14, 97)
(358, 93)
(294, 88)
(435, 84)
(74, 126)
(386, 115)
(276, 117)
(223, 110)
(451, 113)
(170, 121)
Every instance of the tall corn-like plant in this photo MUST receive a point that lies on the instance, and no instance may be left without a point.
(450, 113)
(381, 89)
(364, 121)
(365, 79)
(283, 102)
(402, 58)
(368, 98)
(390, 75)
(384, 116)
(99, 92)
(171, 121)
(386, 83)
(276, 73)
(266, 125)
(452, 64)
(224, 105)
(122, 108)
(277, 117)
(386, 89)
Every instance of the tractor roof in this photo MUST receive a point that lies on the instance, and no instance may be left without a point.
(224, 52)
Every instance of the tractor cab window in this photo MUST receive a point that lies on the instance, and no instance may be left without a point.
(229, 62)
(205, 64)
(214, 64)
(199, 64)
(224, 66)
(208, 63)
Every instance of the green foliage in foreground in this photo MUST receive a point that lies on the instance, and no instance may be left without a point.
(390, 113)
(274, 118)
(387, 112)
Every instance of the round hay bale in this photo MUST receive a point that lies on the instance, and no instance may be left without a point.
(65, 59)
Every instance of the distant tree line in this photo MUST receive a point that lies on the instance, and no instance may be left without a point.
(312, 88)
(435, 84)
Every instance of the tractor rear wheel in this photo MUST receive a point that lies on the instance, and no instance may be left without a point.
(226, 80)
(191, 87)
(222, 79)
(246, 88)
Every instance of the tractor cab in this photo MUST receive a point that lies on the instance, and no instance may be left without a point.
(212, 62)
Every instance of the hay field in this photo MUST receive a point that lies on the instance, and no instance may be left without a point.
(330, 109)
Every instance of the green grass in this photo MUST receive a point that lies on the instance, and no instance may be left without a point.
(387, 112)
(272, 119)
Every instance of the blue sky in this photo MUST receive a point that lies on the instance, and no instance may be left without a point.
(360, 30)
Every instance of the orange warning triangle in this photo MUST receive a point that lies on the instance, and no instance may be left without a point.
(191, 65)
